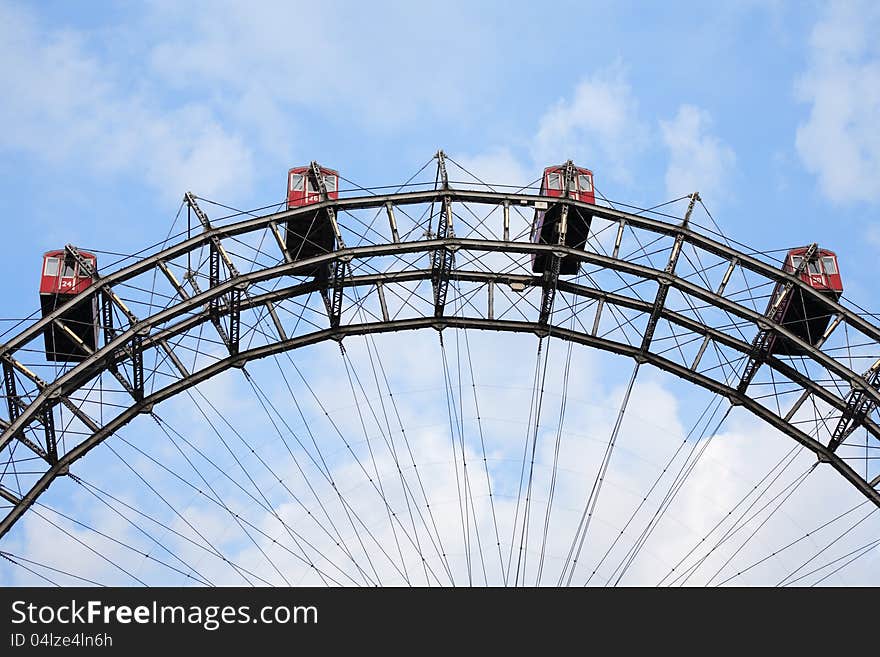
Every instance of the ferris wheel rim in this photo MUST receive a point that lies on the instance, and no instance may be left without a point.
(492, 198)
(101, 358)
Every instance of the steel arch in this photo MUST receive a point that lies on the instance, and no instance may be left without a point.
(31, 411)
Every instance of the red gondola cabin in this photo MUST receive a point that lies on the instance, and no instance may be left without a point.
(545, 229)
(801, 314)
(61, 279)
(310, 234)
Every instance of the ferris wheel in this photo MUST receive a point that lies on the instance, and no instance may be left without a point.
(444, 382)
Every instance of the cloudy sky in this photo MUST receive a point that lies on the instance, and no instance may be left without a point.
(769, 109)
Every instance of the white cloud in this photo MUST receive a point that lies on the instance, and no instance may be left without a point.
(64, 105)
(198, 89)
(599, 124)
(355, 61)
(698, 161)
(839, 142)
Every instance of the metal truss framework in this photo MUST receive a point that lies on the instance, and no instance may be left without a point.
(51, 414)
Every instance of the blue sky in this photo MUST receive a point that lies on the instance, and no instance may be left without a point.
(112, 111)
(133, 105)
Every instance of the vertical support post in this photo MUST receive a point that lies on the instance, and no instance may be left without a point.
(796, 406)
(563, 227)
(380, 289)
(338, 287)
(442, 259)
(279, 327)
(441, 169)
(548, 294)
(214, 278)
(690, 208)
(48, 419)
(620, 226)
(727, 274)
(392, 222)
(11, 391)
(107, 317)
(334, 224)
(137, 363)
(276, 233)
(234, 320)
(491, 300)
(700, 352)
(173, 280)
(598, 317)
(859, 405)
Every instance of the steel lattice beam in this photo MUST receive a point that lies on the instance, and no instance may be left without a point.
(859, 406)
(338, 285)
(549, 283)
(48, 419)
(332, 286)
(12, 399)
(442, 259)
